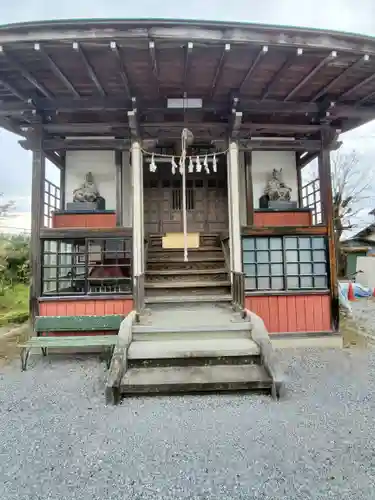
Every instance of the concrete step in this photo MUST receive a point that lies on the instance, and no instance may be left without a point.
(192, 348)
(187, 284)
(233, 326)
(195, 378)
(191, 299)
(190, 335)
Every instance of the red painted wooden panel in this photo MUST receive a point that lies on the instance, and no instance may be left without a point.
(292, 313)
(93, 307)
(282, 219)
(83, 220)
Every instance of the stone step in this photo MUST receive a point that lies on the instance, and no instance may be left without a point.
(192, 348)
(177, 272)
(187, 284)
(195, 378)
(191, 299)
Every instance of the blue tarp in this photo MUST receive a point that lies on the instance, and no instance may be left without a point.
(358, 290)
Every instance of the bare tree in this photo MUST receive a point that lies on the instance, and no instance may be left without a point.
(5, 208)
(352, 191)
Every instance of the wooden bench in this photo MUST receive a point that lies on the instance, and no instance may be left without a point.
(59, 324)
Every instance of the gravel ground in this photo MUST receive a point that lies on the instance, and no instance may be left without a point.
(59, 441)
(364, 315)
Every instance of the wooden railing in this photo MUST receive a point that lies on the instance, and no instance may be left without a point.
(238, 290)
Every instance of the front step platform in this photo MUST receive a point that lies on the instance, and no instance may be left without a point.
(174, 379)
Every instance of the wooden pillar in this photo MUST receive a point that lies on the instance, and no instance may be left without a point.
(62, 184)
(324, 162)
(37, 222)
(138, 244)
(127, 190)
(234, 207)
(249, 190)
(299, 182)
(118, 177)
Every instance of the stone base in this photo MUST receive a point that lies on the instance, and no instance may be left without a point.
(282, 205)
(85, 206)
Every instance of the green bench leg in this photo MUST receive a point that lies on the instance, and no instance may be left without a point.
(25, 353)
(44, 351)
(109, 353)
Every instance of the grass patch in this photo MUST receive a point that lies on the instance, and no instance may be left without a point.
(14, 305)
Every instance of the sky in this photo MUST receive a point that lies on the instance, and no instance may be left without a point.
(344, 15)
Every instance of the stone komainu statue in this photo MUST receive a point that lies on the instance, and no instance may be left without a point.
(276, 189)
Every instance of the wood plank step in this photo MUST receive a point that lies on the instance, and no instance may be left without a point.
(190, 250)
(195, 378)
(182, 299)
(180, 259)
(187, 284)
(174, 272)
(188, 348)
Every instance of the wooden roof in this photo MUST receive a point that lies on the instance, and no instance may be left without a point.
(113, 78)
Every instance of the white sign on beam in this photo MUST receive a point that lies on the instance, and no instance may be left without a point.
(184, 103)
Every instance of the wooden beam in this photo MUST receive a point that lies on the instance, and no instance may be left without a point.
(367, 97)
(56, 70)
(276, 77)
(219, 69)
(280, 145)
(154, 63)
(311, 74)
(121, 65)
(37, 222)
(26, 74)
(350, 70)
(90, 69)
(80, 144)
(249, 189)
(284, 231)
(209, 31)
(235, 123)
(253, 67)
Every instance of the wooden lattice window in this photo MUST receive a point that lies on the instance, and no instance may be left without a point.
(311, 199)
(52, 201)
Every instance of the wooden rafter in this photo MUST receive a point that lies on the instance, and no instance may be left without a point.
(90, 69)
(219, 68)
(56, 70)
(263, 51)
(356, 87)
(13, 90)
(26, 74)
(350, 70)
(154, 62)
(311, 73)
(275, 80)
(187, 63)
(121, 66)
